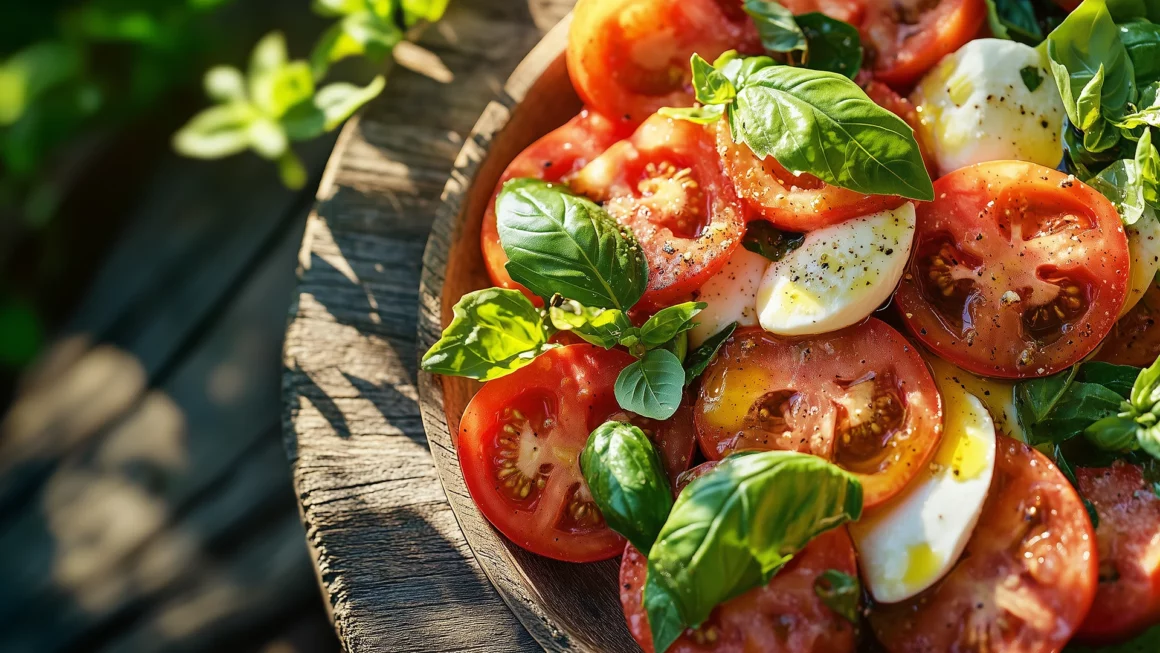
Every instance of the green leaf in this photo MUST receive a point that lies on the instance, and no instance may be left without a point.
(1112, 433)
(840, 592)
(776, 26)
(216, 132)
(627, 480)
(1149, 440)
(1014, 20)
(494, 332)
(340, 100)
(652, 386)
(291, 170)
(761, 237)
(1086, 40)
(822, 123)
(1122, 184)
(429, 11)
(268, 58)
(732, 529)
(833, 45)
(32, 72)
(699, 360)
(709, 84)
(1036, 398)
(557, 242)
(603, 327)
(705, 115)
(1147, 161)
(1117, 378)
(225, 84)
(267, 137)
(679, 346)
(361, 34)
(334, 8)
(1142, 41)
(1146, 390)
(1032, 77)
(667, 323)
(664, 619)
(289, 85)
(1087, 105)
(1081, 405)
(1102, 136)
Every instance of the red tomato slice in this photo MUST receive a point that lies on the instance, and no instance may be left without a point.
(1017, 270)
(628, 58)
(1135, 339)
(861, 397)
(1025, 581)
(1128, 596)
(519, 446)
(785, 616)
(885, 97)
(554, 157)
(796, 202)
(848, 11)
(665, 184)
(903, 40)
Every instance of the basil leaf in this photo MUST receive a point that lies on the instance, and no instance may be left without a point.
(1082, 404)
(833, 45)
(1147, 161)
(1125, 10)
(822, 123)
(1036, 398)
(664, 619)
(732, 529)
(1122, 184)
(1032, 77)
(1102, 136)
(709, 85)
(668, 322)
(627, 480)
(603, 327)
(652, 386)
(1112, 433)
(738, 69)
(1142, 41)
(761, 237)
(1117, 378)
(705, 115)
(1149, 440)
(1086, 40)
(840, 592)
(703, 355)
(776, 26)
(1014, 20)
(557, 242)
(679, 346)
(1087, 105)
(1146, 390)
(493, 332)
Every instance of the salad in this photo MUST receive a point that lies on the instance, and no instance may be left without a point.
(836, 320)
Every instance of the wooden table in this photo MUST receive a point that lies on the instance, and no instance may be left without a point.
(391, 559)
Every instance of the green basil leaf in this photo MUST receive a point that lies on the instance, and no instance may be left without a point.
(1032, 77)
(1014, 20)
(1101, 137)
(627, 480)
(776, 26)
(1082, 405)
(732, 529)
(679, 346)
(833, 45)
(668, 322)
(557, 242)
(652, 386)
(268, 57)
(216, 132)
(738, 69)
(1087, 105)
(840, 592)
(493, 332)
(1086, 40)
(291, 170)
(360, 34)
(761, 237)
(1142, 41)
(603, 327)
(709, 84)
(1036, 398)
(1147, 161)
(1149, 439)
(1122, 184)
(340, 100)
(429, 11)
(1117, 378)
(664, 619)
(823, 123)
(1125, 10)
(699, 360)
(225, 84)
(1144, 394)
(705, 115)
(1112, 433)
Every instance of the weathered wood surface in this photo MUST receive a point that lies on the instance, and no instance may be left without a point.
(392, 559)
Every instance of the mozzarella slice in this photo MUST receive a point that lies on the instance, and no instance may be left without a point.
(839, 275)
(1144, 246)
(978, 105)
(998, 396)
(731, 295)
(911, 542)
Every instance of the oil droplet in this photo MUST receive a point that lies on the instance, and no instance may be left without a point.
(921, 564)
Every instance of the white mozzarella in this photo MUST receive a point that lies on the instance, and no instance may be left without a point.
(838, 276)
(731, 295)
(907, 545)
(1144, 246)
(998, 396)
(976, 106)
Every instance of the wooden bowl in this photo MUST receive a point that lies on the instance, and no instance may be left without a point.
(565, 607)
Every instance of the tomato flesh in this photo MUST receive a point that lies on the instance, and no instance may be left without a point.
(519, 447)
(554, 157)
(1017, 271)
(888, 99)
(1128, 596)
(904, 39)
(785, 616)
(665, 184)
(629, 58)
(1025, 581)
(1135, 338)
(861, 397)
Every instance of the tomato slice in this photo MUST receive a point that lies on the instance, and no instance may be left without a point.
(888, 99)
(1128, 596)
(554, 157)
(519, 446)
(785, 616)
(904, 39)
(1135, 339)
(665, 184)
(1017, 270)
(628, 58)
(847, 11)
(861, 397)
(1026, 579)
(796, 202)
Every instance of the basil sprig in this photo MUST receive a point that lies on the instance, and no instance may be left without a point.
(627, 480)
(840, 592)
(813, 121)
(653, 385)
(732, 529)
(812, 40)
